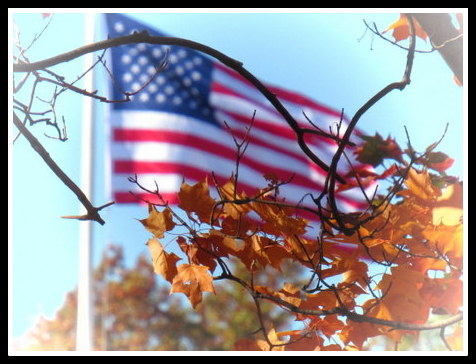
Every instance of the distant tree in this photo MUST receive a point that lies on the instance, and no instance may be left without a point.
(135, 313)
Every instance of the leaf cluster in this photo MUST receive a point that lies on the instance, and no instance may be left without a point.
(392, 268)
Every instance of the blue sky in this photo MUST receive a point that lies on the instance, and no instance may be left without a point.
(324, 55)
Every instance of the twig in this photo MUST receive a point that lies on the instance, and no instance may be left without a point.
(400, 85)
(92, 212)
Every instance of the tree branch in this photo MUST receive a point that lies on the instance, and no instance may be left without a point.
(92, 212)
(144, 37)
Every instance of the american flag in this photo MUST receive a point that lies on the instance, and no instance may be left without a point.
(173, 129)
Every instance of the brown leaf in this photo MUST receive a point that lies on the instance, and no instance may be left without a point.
(192, 280)
(163, 262)
(158, 222)
(196, 199)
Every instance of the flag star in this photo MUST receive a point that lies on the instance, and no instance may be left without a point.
(157, 52)
(160, 98)
(142, 60)
(135, 68)
(118, 27)
(197, 61)
(196, 76)
(151, 70)
(152, 88)
(161, 80)
(133, 51)
(127, 77)
(169, 90)
(187, 82)
(173, 58)
(141, 47)
(126, 59)
(144, 96)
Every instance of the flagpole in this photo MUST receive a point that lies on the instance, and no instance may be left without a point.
(84, 326)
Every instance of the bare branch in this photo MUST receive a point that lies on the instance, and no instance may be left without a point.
(92, 212)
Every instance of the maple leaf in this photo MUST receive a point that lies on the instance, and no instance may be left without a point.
(279, 220)
(420, 186)
(446, 240)
(164, 263)
(158, 222)
(403, 301)
(192, 280)
(375, 149)
(236, 211)
(445, 295)
(196, 199)
(448, 208)
(401, 29)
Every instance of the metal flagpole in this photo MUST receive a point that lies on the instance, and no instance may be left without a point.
(84, 326)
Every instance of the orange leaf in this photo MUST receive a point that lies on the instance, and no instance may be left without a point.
(163, 262)
(158, 222)
(196, 199)
(234, 210)
(402, 301)
(448, 208)
(445, 239)
(192, 280)
(445, 295)
(420, 186)
(401, 29)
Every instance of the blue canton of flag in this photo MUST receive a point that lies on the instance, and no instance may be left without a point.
(182, 88)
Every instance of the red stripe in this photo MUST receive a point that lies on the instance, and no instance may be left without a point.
(220, 88)
(213, 148)
(284, 95)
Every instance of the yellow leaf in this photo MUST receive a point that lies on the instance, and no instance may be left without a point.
(448, 208)
(419, 185)
(158, 222)
(163, 262)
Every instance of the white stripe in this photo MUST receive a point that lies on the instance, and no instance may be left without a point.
(318, 117)
(173, 122)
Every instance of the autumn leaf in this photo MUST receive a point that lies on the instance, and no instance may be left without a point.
(401, 29)
(192, 280)
(419, 184)
(196, 199)
(448, 208)
(158, 222)
(446, 240)
(375, 149)
(444, 295)
(279, 221)
(235, 211)
(164, 263)
(402, 300)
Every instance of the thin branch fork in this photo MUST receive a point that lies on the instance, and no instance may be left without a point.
(92, 213)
